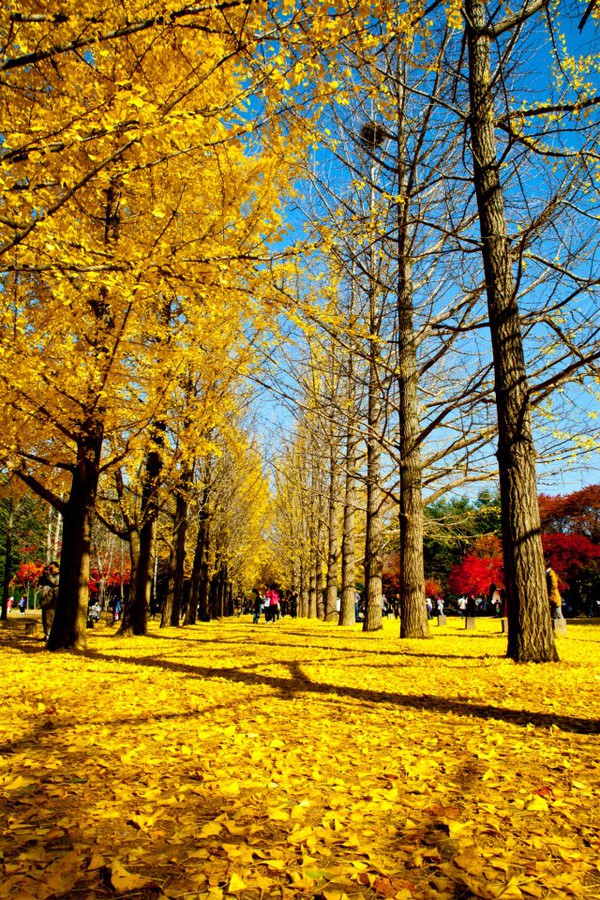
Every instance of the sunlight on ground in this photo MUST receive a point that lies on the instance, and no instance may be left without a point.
(299, 760)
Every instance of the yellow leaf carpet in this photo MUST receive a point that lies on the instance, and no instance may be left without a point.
(299, 760)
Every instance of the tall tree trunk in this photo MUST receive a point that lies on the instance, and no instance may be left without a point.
(412, 574)
(374, 525)
(204, 586)
(179, 541)
(57, 535)
(200, 564)
(8, 558)
(333, 546)
(69, 626)
(347, 611)
(167, 610)
(49, 531)
(319, 597)
(303, 610)
(213, 601)
(126, 626)
(135, 614)
(312, 582)
(530, 635)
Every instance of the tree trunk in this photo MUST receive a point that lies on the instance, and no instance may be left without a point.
(312, 585)
(69, 626)
(412, 575)
(167, 610)
(229, 610)
(374, 529)
(200, 564)
(126, 626)
(204, 586)
(179, 540)
(530, 635)
(213, 596)
(347, 611)
(319, 597)
(49, 529)
(135, 614)
(8, 557)
(304, 604)
(333, 547)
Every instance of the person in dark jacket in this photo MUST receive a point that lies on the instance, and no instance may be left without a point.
(48, 595)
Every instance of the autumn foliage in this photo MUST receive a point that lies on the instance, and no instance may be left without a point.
(28, 574)
(299, 761)
(475, 574)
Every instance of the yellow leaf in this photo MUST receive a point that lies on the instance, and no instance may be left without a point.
(537, 804)
(123, 881)
(236, 884)
(230, 788)
(278, 815)
(211, 828)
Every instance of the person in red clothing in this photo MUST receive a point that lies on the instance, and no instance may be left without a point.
(272, 598)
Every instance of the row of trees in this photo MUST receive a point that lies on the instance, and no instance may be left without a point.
(146, 164)
(456, 200)
(143, 171)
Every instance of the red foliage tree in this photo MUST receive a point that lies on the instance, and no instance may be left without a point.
(568, 554)
(390, 577)
(113, 579)
(576, 513)
(432, 587)
(475, 574)
(28, 575)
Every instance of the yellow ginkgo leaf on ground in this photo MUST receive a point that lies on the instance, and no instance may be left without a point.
(537, 804)
(123, 881)
(236, 884)
(284, 831)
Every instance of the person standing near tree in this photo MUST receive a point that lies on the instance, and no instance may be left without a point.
(554, 597)
(48, 595)
(257, 606)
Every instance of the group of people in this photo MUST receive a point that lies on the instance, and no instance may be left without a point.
(494, 603)
(21, 605)
(273, 605)
(435, 606)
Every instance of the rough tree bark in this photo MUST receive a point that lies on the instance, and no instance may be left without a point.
(143, 546)
(303, 610)
(374, 525)
(199, 582)
(333, 548)
(412, 575)
(8, 555)
(69, 626)
(347, 611)
(530, 637)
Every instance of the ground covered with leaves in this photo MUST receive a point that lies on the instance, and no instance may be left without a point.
(299, 760)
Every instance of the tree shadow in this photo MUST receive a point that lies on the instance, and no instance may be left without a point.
(299, 682)
(361, 652)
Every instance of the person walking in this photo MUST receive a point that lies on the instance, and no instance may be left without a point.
(256, 605)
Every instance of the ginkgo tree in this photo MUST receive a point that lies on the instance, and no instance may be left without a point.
(135, 205)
